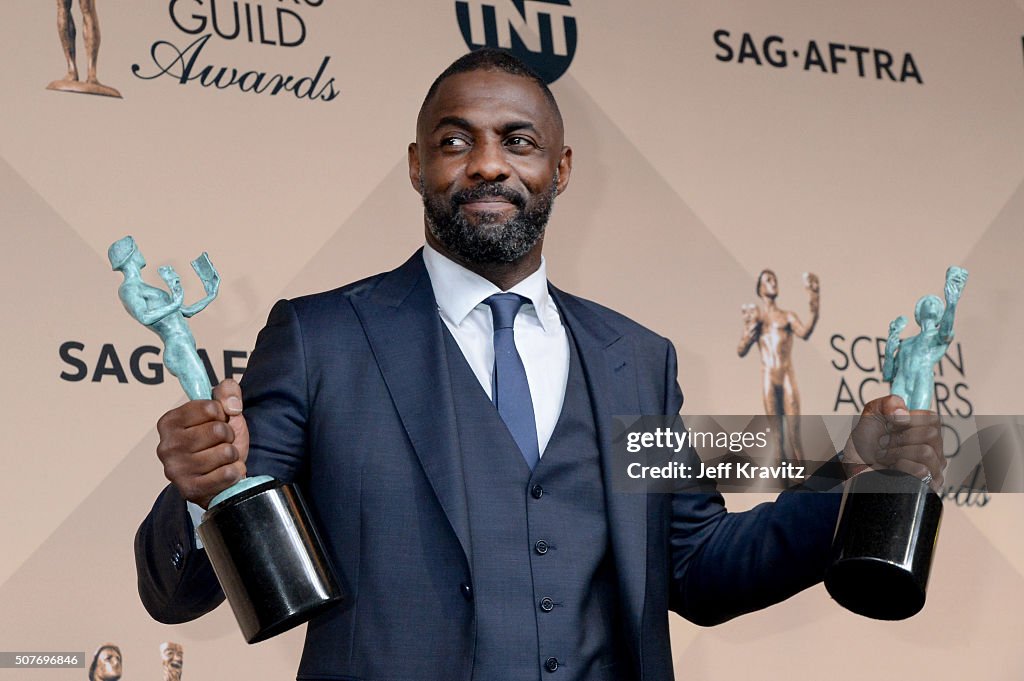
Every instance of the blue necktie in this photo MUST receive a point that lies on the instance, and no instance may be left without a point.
(511, 394)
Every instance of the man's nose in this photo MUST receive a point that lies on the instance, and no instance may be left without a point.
(488, 162)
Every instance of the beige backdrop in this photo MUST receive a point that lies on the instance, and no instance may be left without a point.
(691, 175)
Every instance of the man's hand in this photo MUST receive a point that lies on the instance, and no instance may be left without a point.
(889, 436)
(956, 279)
(211, 286)
(811, 282)
(896, 327)
(204, 444)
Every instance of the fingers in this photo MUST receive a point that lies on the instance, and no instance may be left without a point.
(195, 464)
(211, 459)
(193, 440)
(192, 413)
(905, 441)
(919, 441)
(917, 427)
(918, 431)
(920, 461)
(890, 405)
(229, 394)
(921, 472)
(201, 489)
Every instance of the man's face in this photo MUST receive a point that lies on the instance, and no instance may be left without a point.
(172, 655)
(769, 285)
(137, 258)
(930, 312)
(108, 665)
(488, 161)
(170, 277)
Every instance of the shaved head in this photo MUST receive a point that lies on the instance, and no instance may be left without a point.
(490, 59)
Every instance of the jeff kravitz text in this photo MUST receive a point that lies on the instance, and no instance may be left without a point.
(724, 470)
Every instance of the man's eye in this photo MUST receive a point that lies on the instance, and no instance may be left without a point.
(519, 141)
(454, 142)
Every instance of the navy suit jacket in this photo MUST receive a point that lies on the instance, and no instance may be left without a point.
(348, 393)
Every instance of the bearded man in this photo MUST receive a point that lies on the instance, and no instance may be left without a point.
(450, 425)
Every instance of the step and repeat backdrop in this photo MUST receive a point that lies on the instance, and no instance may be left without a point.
(871, 144)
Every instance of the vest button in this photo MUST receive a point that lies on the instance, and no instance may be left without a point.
(547, 605)
(541, 547)
(537, 492)
(551, 664)
(466, 590)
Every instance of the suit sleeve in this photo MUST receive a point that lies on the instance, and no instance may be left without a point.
(176, 580)
(275, 393)
(727, 564)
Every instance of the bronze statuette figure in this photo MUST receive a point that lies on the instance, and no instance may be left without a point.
(91, 34)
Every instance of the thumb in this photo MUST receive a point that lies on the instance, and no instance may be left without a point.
(229, 394)
(890, 405)
(877, 419)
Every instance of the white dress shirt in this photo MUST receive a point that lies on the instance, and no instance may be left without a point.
(540, 337)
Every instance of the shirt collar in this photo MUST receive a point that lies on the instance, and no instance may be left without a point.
(458, 291)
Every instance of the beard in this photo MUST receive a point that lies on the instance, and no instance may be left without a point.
(491, 240)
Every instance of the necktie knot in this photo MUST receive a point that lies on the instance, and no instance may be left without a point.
(504, 308)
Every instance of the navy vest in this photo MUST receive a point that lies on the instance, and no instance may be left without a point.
(544, 588)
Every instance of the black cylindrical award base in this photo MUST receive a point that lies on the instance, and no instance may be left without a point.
(883, 546)
(268, 559)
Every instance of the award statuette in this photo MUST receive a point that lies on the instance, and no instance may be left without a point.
(264, 550)
(889, 521)
(773, 330)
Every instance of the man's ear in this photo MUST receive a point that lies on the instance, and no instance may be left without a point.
(564, 168)
(414, 166)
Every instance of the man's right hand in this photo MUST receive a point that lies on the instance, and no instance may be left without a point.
(204, 444)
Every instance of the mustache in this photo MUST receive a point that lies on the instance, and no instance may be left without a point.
(488, 189)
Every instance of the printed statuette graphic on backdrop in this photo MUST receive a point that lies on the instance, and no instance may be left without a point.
(164, 312)
(171, 655)
(885, 539)
(773, 330)
(910, 364)
(106, 663)
(265, 552)
(91, 34)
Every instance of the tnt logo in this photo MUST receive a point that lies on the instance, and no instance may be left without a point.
(540, 32)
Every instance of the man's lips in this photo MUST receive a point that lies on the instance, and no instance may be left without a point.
(491, 197)
(488, 204)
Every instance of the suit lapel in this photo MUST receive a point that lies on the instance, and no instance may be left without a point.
(610, 370)
(404, 331)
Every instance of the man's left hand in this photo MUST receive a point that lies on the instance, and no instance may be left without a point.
(889, 436)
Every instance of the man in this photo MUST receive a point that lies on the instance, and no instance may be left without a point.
(910, 364)
(106, 664)
(773, 330)
(164, 313)
(455, 450)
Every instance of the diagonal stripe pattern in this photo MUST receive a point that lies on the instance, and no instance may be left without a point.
(511, 393)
